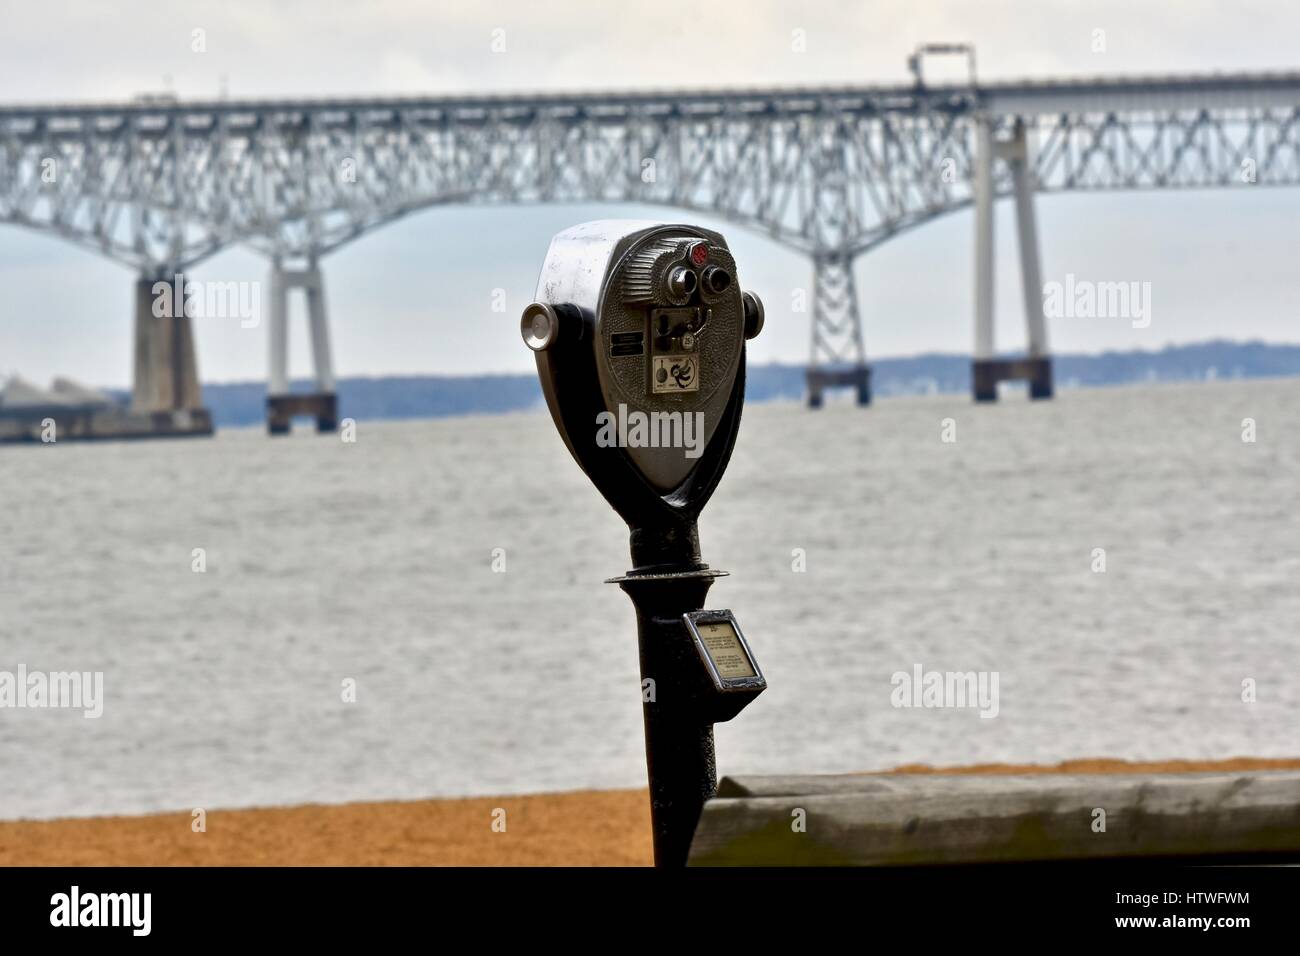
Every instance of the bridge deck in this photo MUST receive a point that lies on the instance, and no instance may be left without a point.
(1005, 96)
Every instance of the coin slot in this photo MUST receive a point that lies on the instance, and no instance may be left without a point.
(627, 343)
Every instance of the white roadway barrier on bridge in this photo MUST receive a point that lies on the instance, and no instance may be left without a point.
(1132, 95)
(1018, 98)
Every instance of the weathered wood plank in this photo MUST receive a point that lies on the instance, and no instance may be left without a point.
(913, 819)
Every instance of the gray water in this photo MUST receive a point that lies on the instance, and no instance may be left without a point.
(373, 561)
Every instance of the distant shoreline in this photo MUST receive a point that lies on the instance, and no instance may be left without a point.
(397, 397)
(582, 828)
(844, 397)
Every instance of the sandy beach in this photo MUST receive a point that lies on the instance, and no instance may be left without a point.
(589, 828)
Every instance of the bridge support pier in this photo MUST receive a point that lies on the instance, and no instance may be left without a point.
(165, 385)
(986, 369)
(838, 358)
(819, 380)
(282, 405)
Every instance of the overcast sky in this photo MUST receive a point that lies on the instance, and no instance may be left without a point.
(416, 296)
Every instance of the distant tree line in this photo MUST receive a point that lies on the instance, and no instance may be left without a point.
(435, 396)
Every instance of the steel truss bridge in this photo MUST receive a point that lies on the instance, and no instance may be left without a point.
(832, 173)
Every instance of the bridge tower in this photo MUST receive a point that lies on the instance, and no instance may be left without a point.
(986, 368)
(837, 357)
(282, 405)
(166, 376)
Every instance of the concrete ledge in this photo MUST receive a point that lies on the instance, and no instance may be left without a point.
(96, 423)
(871, 820)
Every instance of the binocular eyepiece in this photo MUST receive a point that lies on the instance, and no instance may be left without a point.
(653, 315)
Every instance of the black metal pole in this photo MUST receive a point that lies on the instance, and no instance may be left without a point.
(678, 732)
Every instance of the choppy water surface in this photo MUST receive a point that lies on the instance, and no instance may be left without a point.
(373, 561)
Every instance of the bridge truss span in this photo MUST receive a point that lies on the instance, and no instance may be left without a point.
(831, 172)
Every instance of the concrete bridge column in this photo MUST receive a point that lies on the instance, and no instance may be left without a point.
(282, 405)
(166, 372)
(986, 368)
(1031, 276)
(984, 385)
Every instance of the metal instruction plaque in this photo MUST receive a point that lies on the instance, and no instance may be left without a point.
(723, 650)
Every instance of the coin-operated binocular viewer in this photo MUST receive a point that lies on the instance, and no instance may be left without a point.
(639, 330)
